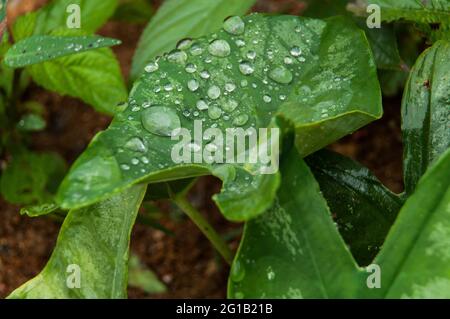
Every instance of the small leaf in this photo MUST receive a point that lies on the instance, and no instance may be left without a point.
(265, 77)
(31, 123)
(178, 19)
(426, 113)
(360, 203)
(141, 277)
(41, 48)
(94, 244)
(294, 249)
(39, 210)
(32, 178)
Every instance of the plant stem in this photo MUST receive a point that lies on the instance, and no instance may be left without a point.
(204, 226)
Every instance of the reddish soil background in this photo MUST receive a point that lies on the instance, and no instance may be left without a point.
(184, 261)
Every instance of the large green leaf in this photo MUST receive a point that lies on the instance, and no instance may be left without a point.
(426, 112)
(294, 249)
(93, 243)
(415, 260)
(178, 19)
(360, 203)
(41, 48)
(322, 85)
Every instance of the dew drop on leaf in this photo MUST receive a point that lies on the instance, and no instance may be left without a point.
(160, 120)
(152, 67)
(184, 44)
(240, 120)
(234, 25)
(246, 68)
(202, 105)
(237, 272)
(281, 74)
(136, 144)
(229, 105)
(177, 56)
(191, 68)
(214, 92)
(193, 85)
(219, 48)
(214, 112)
(230, 87)
(296, 51)
(196, 50)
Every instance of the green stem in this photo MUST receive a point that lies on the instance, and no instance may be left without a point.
(204, 226)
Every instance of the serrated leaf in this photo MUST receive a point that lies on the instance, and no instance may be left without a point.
(41, 48)
(178, 19)
(31, 178)
(361, 205)
(93, 76)
(426, 113)
(94, 244)
(294, 249)
(322, 84)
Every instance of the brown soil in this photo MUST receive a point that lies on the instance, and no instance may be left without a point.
(185, 261)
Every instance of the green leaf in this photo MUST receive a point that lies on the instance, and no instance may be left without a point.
(141, 277)
(294, 249)
(32, 178)
(95, 242)
(360, 203)
(415, 259)
(320, 95)
(93, 76)
(31, 122)
(135, 11)
(39, 210)
(178, 19)
(41, 48)
(23, 26)
(426, 113)
(93, 13)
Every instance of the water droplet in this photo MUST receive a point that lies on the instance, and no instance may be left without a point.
(229, 105)
(296, 51)
(177, 56)
(202, 105)
(234, 25)
(270, 273)
(134, 161)
(240, 43)
(193, 85)
(219, 48)
(125, 167)
(196, 50)
(237, 272)
(301, 59)
(205, 74)
(288, 60)
(230, 87)
(282, 97)
(267, 98)
(214, 112)
(136, 144)
(246, 68)
(281, 75)
(240, 120)
(184, 44)
(160, 120)
(168, 87)
(251, 55)
(214, 92)
(145, 160)
(152, 67)
(191, 68)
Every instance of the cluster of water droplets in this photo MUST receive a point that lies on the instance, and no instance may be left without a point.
(218, 96)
